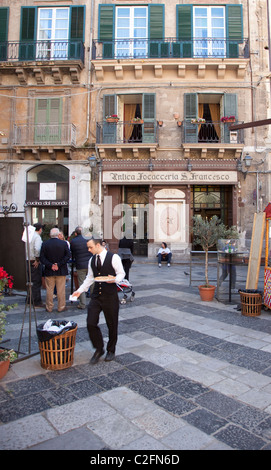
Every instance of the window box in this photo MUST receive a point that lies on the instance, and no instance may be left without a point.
(137, 121)
(228, 119)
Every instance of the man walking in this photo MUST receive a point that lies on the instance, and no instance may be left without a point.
(103, 298)
(54, 255)
(80, 256)
(35, 266)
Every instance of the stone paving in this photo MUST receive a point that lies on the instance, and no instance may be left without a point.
(188, 375)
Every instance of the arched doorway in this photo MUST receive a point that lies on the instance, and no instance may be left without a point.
(47, 192)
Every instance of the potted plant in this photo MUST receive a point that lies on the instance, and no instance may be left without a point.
(228, 119)
(137, 120)
(206, 234)
(198, 121)
(6, 355)
(112, 118)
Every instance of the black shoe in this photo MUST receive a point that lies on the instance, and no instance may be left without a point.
(41, 305)
(109, 356)
(96, 356)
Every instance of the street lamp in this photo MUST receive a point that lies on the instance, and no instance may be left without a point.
(189, 165)
(247, 161)
(94, 164)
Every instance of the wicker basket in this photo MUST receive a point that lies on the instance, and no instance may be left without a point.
(58, 352)
(251, 304)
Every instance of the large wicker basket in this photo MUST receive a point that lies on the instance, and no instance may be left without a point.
(251, 303)
(58, 352)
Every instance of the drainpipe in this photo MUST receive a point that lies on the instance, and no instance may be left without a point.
(89, 65)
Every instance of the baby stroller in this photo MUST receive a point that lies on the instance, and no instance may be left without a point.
(125, 291)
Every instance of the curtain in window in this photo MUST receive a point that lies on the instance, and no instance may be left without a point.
(200, 113)
(130, 110)
(215, 115)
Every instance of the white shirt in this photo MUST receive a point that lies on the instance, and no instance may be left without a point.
(164, 250)
(117, 265)
(35, 246)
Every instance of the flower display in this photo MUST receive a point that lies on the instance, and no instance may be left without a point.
(227, 118)
(197, 120)
(136, 119)
(5, 281)
(112, 116)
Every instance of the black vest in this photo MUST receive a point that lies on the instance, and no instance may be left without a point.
(103, 288)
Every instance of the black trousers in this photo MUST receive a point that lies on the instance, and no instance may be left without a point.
(36, 279)
(126, 266)
(110, 307)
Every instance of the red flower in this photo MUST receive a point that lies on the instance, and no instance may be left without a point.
(5, 279)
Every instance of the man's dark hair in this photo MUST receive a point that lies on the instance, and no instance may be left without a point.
(96, 240)
(78, 230)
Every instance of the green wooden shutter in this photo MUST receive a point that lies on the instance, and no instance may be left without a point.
(48, 120)
(148, 114)
(28, 33)
(3, 32)
(234, 24)
(156, 30)
(77, 31)
(184, 17)
(106, 30)
(190, 112)
(109, 129)
(230, 109)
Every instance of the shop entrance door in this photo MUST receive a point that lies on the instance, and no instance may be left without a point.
(138, 198)
(213, 200)
(51, 217)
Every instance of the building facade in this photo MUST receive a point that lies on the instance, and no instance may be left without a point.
(117, 115)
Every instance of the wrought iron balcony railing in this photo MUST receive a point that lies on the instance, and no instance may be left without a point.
(210, 132)
(122, 132)
(41, 51)
(45, 134)
(134, 48)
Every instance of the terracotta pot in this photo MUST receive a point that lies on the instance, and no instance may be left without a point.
(139, 121)
(115, 120)
(4, 366)
(207, 293)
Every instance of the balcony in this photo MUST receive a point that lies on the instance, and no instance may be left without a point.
(130, 136)
(43, 137)
(170, 48)
(220, 57)
(210, 136)
(55, 57)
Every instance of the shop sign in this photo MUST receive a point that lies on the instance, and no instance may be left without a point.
(170, 177)
(47, 203)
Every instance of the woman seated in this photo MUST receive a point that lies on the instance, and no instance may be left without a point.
(164, 254)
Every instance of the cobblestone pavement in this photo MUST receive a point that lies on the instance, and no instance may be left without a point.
(188, 375)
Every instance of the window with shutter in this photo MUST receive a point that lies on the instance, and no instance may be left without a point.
(190, 112)
(53, 33)
(106, 29)
(208, 31)
(59, 33)
(27, 49)
(77, 31)
(132, 31)
(109, 128)
(234, 29)
(3, 32)
(157, 48)
(48, 121)
(148, 114)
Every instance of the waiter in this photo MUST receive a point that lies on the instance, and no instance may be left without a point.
(103, 298)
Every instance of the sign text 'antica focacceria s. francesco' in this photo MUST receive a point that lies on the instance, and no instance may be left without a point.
(205, 177)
